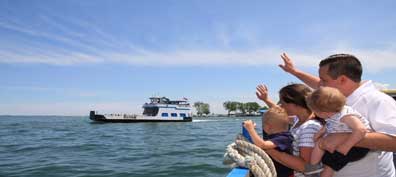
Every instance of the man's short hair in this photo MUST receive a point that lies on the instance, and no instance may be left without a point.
(343, 64)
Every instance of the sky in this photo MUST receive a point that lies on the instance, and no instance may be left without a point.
(62, 57)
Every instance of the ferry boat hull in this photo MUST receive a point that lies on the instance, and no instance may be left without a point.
(102, 118)
(159, 109)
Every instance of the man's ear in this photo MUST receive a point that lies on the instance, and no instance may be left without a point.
(343, 79)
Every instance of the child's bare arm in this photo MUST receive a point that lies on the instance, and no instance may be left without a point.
(358, 133)
(257, 140)
(263, 144)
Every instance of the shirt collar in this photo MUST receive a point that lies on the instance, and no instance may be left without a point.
(363, 88)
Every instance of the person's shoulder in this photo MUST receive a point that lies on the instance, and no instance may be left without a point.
(378, 99)
(312, 125)
(349, 111)
(314, 122)
(376, 95)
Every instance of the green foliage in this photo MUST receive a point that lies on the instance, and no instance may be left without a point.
(252, 107)
(243, 108)
(202, 108)
(230, 106)
(205, 109)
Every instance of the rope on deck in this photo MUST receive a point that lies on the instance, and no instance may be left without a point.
(245, 154)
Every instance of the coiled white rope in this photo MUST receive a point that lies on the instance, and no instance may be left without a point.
(245, 154)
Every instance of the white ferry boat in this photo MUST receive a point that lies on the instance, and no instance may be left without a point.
(160, 109)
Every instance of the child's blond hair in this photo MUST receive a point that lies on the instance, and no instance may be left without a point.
(326, 99)
(277, 117)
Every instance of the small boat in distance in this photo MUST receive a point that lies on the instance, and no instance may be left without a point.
(160, 109)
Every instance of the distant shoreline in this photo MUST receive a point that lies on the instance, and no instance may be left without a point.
(225, 115)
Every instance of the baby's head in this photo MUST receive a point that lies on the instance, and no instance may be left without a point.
(326, 101)
(275, 120)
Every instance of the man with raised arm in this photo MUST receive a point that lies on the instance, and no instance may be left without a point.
(344, 71)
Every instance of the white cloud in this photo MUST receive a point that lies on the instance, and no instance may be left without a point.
(104, 47)
(373, 60)
(146, 57)
(377, 60)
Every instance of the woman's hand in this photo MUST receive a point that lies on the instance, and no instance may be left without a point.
(262, 92)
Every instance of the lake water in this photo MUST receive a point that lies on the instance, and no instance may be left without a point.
(75, 146)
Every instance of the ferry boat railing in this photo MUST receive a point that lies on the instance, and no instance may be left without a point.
(125, 116)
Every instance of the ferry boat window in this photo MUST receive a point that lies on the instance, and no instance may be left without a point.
(150, 111)
(182, 115)
(165, 115)
(173, 114)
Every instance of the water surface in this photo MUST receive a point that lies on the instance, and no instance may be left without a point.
(75, 146)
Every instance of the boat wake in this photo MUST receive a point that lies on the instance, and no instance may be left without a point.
(195, 120)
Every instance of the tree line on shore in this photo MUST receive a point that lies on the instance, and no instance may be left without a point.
(232, 107)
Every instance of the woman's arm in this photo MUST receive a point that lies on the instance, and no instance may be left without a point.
(297, 163)
(306, 153)
(317, 153)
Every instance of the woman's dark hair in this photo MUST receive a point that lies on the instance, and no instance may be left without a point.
(296, 94)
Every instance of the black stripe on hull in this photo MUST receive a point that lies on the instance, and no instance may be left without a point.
(102, 118)
(139, 120)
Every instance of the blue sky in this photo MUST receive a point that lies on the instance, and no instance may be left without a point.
(69, 57)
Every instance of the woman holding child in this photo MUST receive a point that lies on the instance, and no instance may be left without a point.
(304, 126)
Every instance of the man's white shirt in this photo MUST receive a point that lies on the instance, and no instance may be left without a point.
(380, 110)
